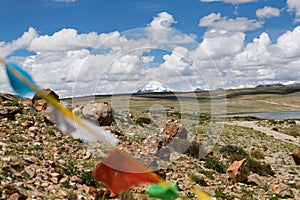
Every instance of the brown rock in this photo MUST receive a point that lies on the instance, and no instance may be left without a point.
(39, 103)
(174, 128)
(171, 127)
(296, 156)
(239, 170)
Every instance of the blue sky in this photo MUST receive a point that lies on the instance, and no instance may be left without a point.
(248, 42)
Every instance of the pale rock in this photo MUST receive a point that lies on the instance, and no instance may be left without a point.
(54, 180)
(101, 113)
(256, 179)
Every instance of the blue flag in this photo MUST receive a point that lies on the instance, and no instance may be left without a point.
(18, 78)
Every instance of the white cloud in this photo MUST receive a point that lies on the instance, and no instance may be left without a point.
(294, 6)
(262, 62)
(240, 24)
(22, 42)
(163, 20)
(69, 39)
(268, 12)
(255, 54)
(230, 1)
(220, 44)
(289, 43)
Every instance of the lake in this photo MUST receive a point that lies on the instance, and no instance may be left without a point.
(270, 115)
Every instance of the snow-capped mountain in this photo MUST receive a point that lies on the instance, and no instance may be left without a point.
(198, 89)
(152, 87)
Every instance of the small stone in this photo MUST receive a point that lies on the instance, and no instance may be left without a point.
(62, 193)
(45, 184)
(76, 179)
(30, 159)
(55, 174)
(33, 129)
(63, 180)
(6, 159)
(30, 181)
(54, 180)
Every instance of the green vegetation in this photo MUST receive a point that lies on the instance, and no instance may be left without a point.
(208, 174)
(143, 120)
(198, 180)
(230, 150)
(215, 164)
(220, 194)
(88, 179)
(257, 154)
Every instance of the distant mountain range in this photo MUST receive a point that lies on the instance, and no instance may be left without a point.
(157, 87)
(276, 85)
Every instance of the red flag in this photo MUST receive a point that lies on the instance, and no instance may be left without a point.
(120, 172)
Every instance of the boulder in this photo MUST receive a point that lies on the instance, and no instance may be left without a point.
(296, 156)
(39, 103)
(239, 170)
(101, 113)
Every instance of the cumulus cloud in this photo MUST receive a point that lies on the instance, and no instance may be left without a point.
(268, 12)
(240, 24)
(22, 42)
(162, 20)
(294, 6)
(69, 39)
(267, 62)
(220, 44)
(289, 43)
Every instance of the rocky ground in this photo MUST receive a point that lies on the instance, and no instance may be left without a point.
(40, 162)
